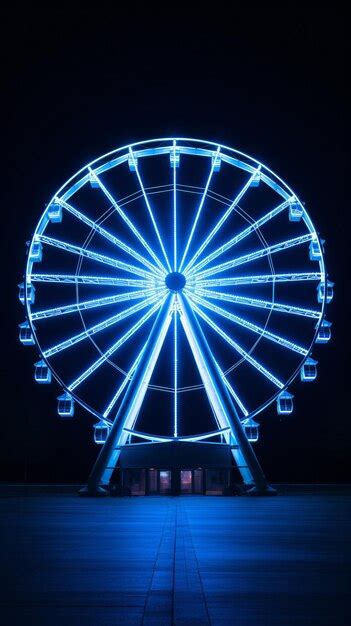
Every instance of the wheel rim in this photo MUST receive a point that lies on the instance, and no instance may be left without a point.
(145, 253)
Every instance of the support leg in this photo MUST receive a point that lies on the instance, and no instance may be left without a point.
(130, 406)
(221, 401)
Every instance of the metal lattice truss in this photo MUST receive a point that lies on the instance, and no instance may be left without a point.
(176, 257)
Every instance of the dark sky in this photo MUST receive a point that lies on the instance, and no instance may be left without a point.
(270, 83)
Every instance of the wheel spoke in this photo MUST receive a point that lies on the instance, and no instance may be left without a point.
(91, 304)
(127, 220)
(115, 346)
(149, 208)
(261, 304)
(109, 236)
(221, 221)
(95, 256)
(91, 280)
(242, 235)
(71, 341)
(282, 341)
(144, 262)
(175, 372)
(199, 209)
(257, 254)
(239, 349)
(253, 280)
(175, 261)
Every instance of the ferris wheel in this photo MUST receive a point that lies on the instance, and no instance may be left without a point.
(175, 288)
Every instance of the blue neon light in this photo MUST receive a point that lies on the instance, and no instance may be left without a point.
(36, 252)
(26, 336)
(295, 212)
(101, 432)
(55, 212)
(325, 290)
(242, 235)
(285, 404)
(251, 429)
(222, 220)
(107, 235)
(256, 254)
(316, 249)
(65, 406)
(97, 328)
(324, 332)
(26, 290)
(175, 260)
(309, 370)
(253, 327)
(42, 374)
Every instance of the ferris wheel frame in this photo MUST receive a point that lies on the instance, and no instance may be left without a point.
(181, 287)
(209, 149)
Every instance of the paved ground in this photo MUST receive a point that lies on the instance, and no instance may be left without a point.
(190, 560)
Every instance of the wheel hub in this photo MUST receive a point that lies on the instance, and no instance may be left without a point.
(175, 281)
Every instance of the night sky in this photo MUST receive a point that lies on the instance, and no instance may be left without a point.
(270, 83)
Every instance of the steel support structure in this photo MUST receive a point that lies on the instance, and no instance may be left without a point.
(201, 283)
(130, 406)
(221, 402)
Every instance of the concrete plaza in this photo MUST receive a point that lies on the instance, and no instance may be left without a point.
(187, 560)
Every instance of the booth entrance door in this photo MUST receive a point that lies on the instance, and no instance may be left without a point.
(165, 482)
(168, 482)
(191, 481)
(186, 481)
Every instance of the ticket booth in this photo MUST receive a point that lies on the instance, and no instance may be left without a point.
(176, 468)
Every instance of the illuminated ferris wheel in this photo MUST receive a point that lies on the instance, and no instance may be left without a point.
(175, 288)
